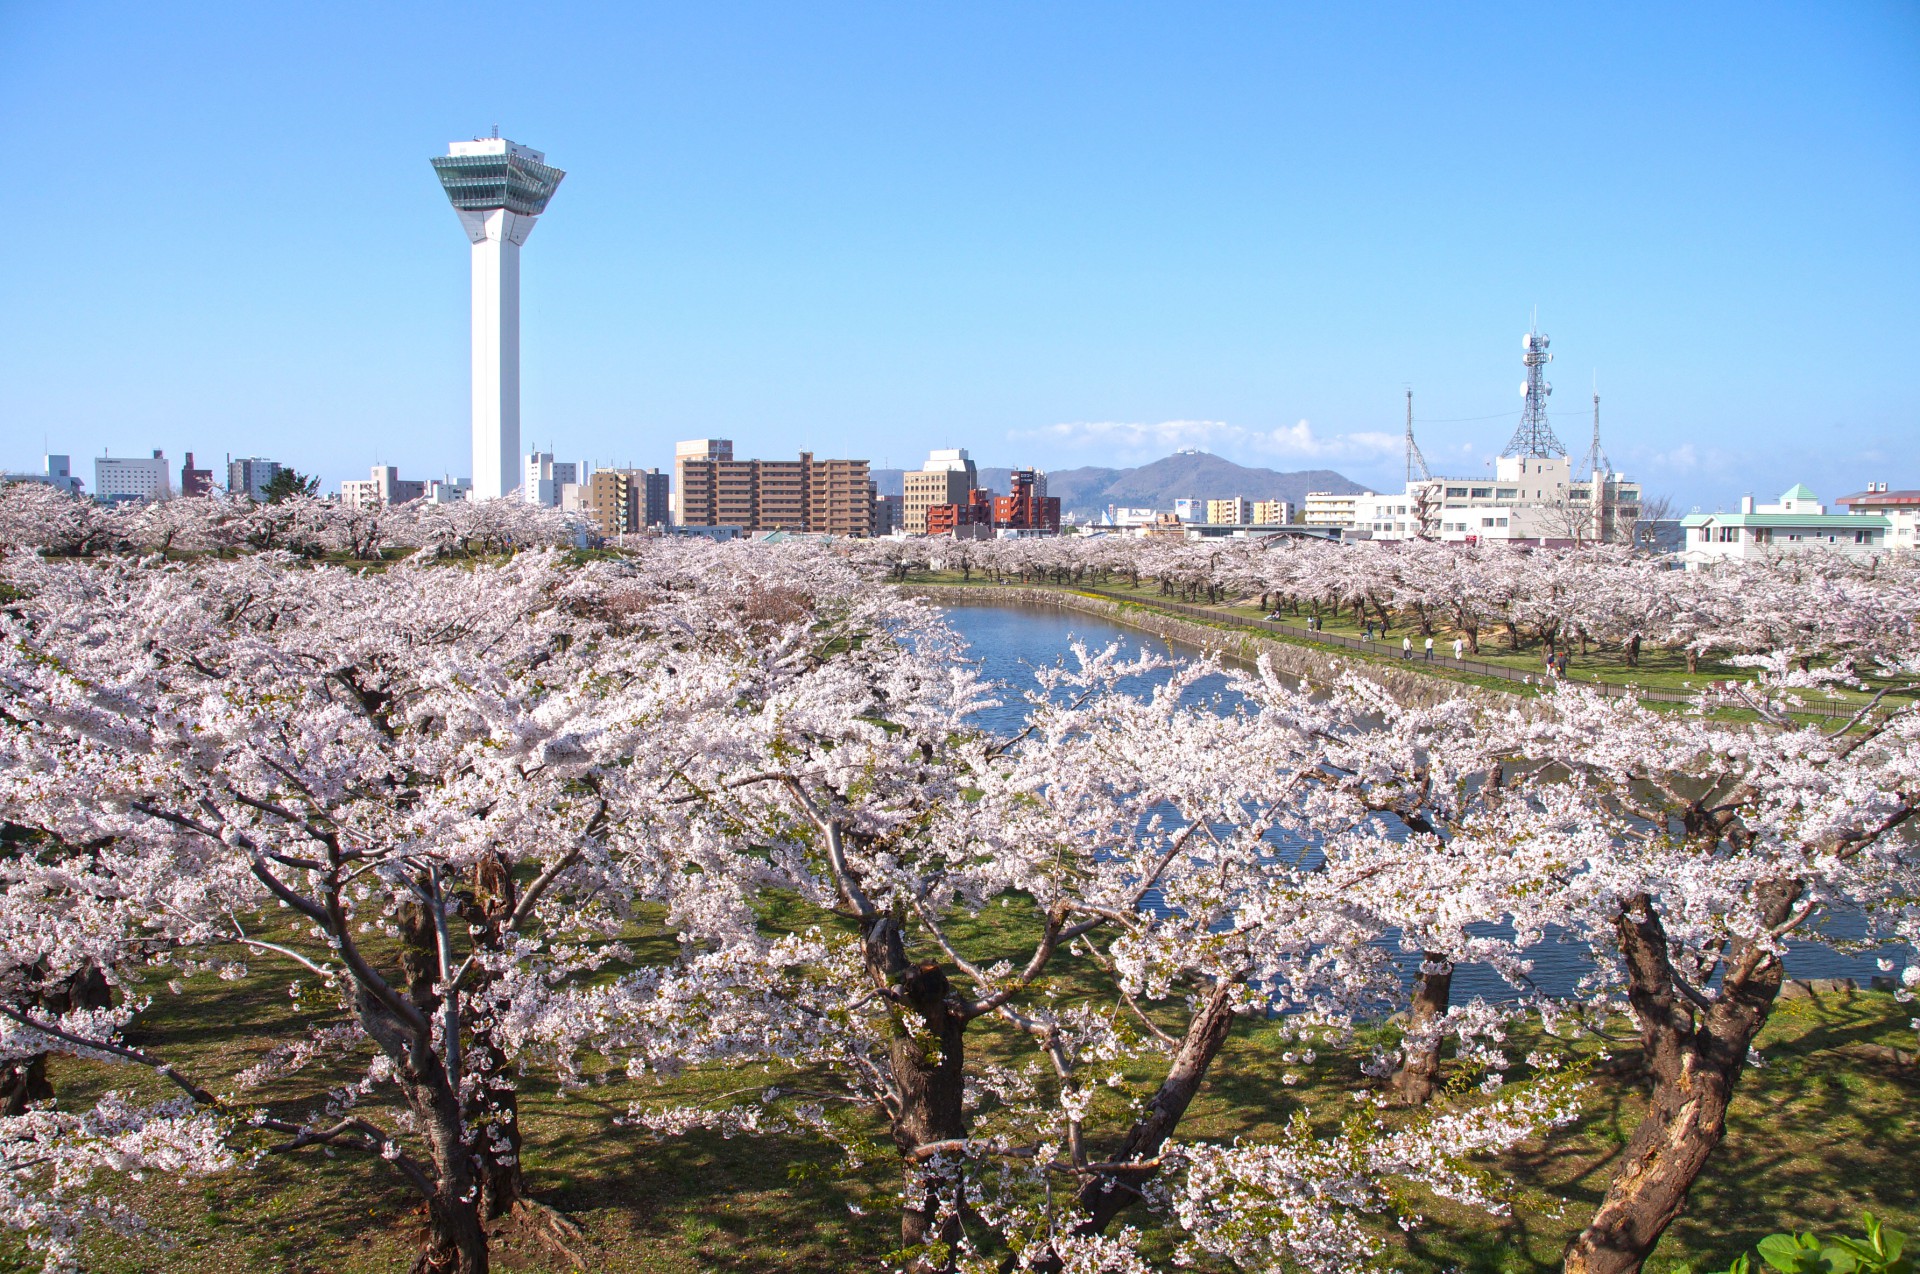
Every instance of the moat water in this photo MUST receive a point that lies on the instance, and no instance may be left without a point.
(1011, 641)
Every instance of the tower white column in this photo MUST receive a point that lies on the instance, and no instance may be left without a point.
(499, 189)
(496, 353)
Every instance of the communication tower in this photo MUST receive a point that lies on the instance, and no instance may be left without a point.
(1535, 436)
(1596, 464)
(1416, 463)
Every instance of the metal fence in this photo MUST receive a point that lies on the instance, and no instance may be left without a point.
(1385, 647)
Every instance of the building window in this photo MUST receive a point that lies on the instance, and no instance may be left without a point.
(1486, 521)
(1501, 522)
(1508, 493)
(1457, 491)
(1480, 493)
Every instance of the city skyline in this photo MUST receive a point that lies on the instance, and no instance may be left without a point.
(871, 235)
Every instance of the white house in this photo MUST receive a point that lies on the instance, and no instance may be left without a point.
(1798, 523)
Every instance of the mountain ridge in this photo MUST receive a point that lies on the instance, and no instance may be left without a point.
(1086, 491)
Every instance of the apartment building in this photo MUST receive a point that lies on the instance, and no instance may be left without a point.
(250, 475)
(1272, 513)
(946, 478)
(1232, 511)
(1901, 509)
(886, 515)
(830, 497)
(1332, 508)
(383, 488)
(1027, 509)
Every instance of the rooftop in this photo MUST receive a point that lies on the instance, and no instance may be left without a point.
(1815, 521)
(1880, 497)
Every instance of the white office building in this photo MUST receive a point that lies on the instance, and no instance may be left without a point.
(543, 478)
(58, 474)
(118, 478)
(499, 188)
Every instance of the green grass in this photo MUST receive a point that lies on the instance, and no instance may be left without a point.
(1814, 1137)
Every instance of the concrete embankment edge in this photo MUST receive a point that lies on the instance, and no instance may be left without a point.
(1305, 662)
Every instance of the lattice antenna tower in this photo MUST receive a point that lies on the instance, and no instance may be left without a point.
(1596, 464)
(1535, 436)
(1416, 463)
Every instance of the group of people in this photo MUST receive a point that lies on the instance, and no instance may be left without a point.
(1406, 647)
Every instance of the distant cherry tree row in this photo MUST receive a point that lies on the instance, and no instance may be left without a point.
(36, 516)
(1820, 606)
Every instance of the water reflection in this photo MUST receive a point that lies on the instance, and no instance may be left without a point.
(1010, 641)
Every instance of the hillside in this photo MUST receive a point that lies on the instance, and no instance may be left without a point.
(1086, 492)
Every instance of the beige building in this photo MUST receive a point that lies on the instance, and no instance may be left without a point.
(1901, 509)
(1272, 512)
(385, 487)
(946, 478)
(830, 497)
(1232, 511)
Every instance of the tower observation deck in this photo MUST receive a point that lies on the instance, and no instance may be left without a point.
(499, 188)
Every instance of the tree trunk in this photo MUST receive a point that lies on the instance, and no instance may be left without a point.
(493, 1104)
(1693, 1056)
(24, 1081)
(927, 1058)
(1413, 1083)
(1104, 1198)
(456, 1241)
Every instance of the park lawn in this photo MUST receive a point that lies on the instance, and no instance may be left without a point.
(1821, 1132)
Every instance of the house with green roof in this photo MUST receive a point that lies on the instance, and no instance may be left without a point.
(1797, 523)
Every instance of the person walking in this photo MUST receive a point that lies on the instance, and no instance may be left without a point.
(1406, 647)
(1458, 646)
(1367, 631)
(1429, 650)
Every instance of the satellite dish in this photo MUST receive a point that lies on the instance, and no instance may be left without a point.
(1549, 388)
(1526, 342)
(1523, 389)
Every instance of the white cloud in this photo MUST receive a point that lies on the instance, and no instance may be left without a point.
(1682, 459)
(1133, 439)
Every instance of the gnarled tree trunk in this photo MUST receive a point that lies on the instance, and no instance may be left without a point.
(1694, 1054)
(1413, 1083)
(927, 1058)
(1104, 1197)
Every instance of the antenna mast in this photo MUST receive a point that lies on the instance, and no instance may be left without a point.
(1415, 461)
(1596, 464)
(1535, 436)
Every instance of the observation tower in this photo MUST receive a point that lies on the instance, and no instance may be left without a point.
(499, 188)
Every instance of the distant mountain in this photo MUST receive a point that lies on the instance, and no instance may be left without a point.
(1086, 492)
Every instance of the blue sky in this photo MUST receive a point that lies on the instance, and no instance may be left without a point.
(1054, 234)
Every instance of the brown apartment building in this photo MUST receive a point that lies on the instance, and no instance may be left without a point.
(829, 497)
